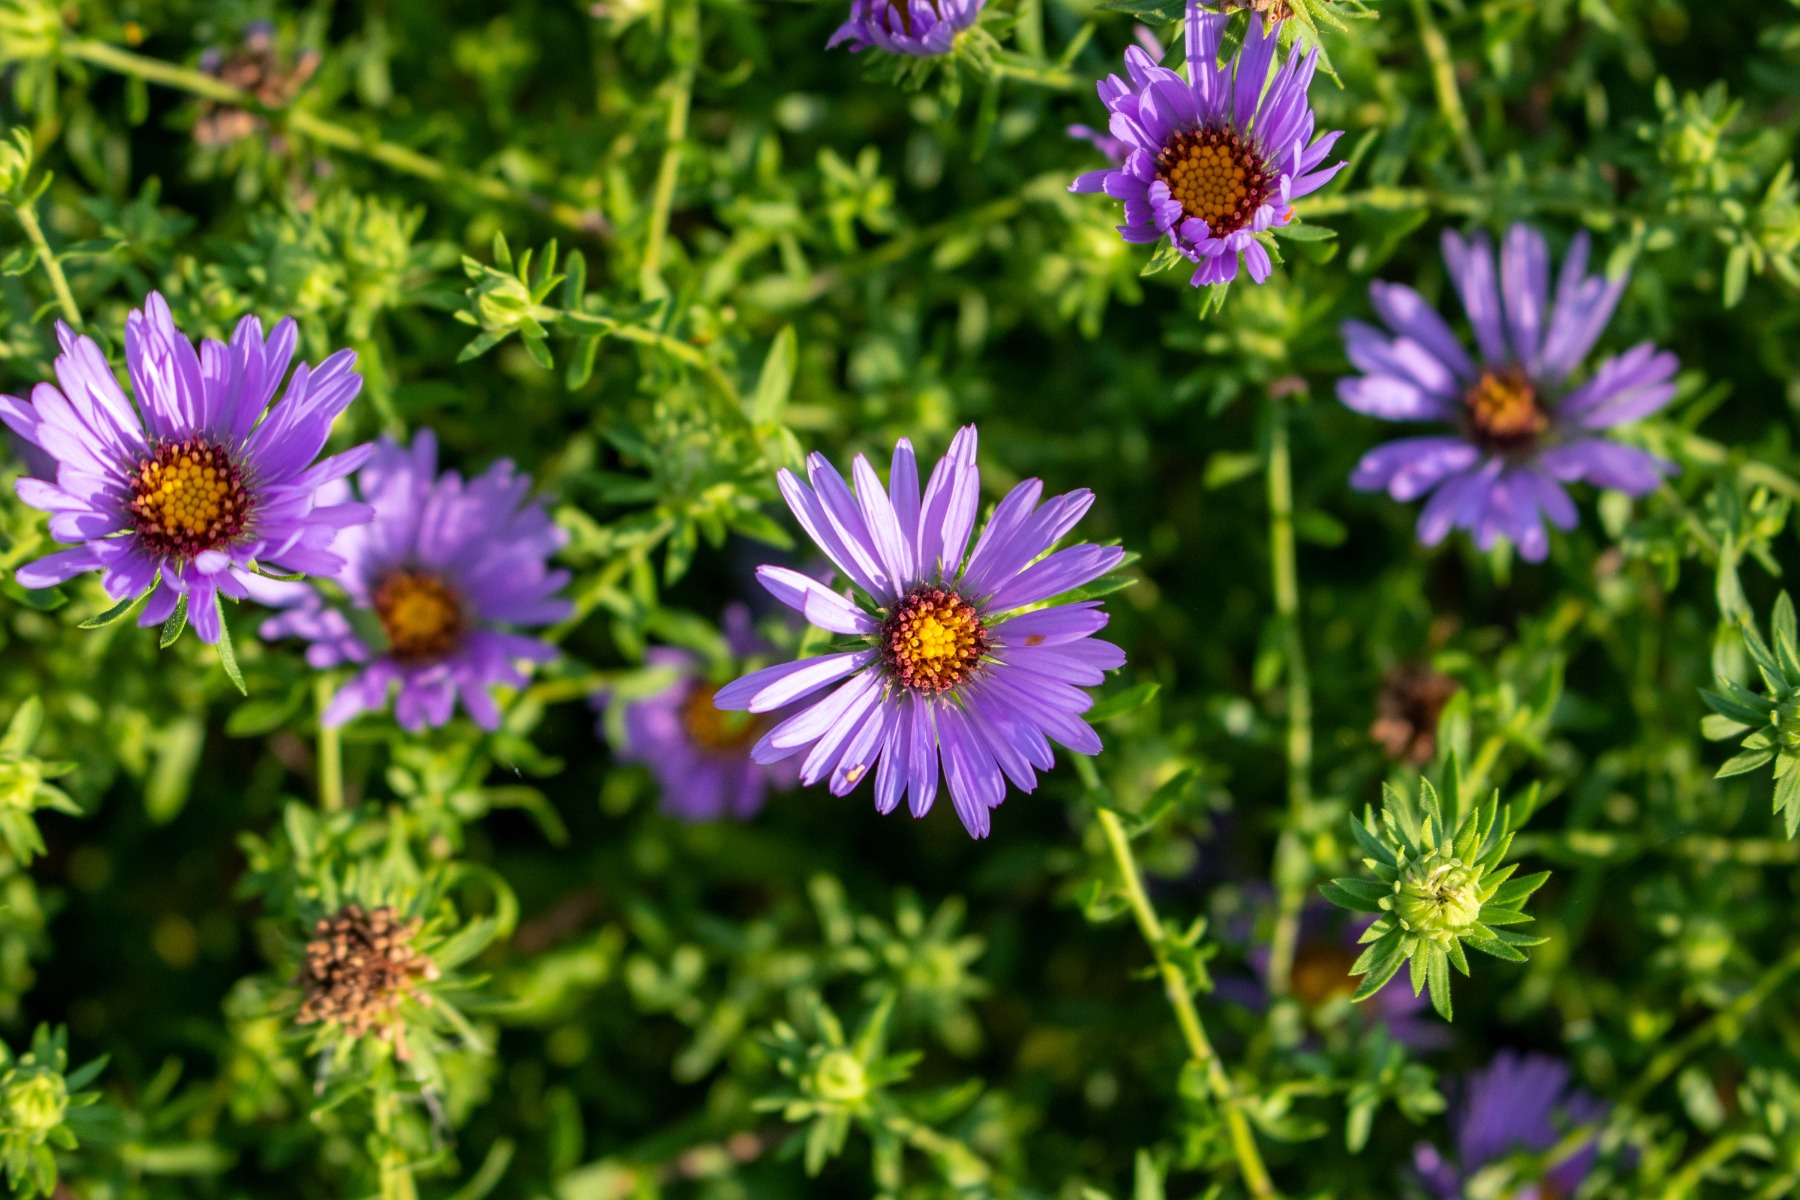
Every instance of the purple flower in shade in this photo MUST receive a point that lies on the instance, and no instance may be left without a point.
(1522, 427)
(445, 566)
(699, 754)
(201, 481)
(947, 666)
(1519, 1104)
(1216, 159)
(920, 28)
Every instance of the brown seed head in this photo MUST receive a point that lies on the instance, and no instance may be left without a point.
(360, 967)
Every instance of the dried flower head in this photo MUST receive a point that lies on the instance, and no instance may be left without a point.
(256, 67)
(360, 968)
(1411, 700)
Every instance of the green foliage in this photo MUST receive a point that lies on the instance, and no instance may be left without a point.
(40, 1110)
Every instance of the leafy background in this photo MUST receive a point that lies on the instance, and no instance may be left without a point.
(766, 248)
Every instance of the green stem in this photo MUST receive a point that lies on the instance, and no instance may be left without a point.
(669, 171)
(1293, 869)
(59, 283)
(455, 181)
(1443, 81)
(331, 751)
(961, 1165)
(1683, 1182)
(1578, 845)
(1181, 999)
(1475, 784)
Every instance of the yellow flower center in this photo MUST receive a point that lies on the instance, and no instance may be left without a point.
(188, 497)
(1504, 412)
(420, 614)
(1216, 176)
(933, 639)
(717, 732)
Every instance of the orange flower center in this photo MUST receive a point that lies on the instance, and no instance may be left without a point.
(718, 732)
(1217, 176)
(1504, 411)
(188, 497)
(933, 639)
(420, 614)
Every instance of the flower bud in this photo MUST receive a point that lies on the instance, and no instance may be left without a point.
(840, 1077)
(1438, 897)
(35, 1103)
(15, 162)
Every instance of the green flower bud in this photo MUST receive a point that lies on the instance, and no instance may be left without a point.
(840, 1077)
(1438, 897)
(35, 1104)
(29, 29)
(20, 779)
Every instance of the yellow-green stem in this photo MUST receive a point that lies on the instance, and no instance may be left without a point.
(1181, 999)
(59, 283)
(331, 751)
(650, 281)
(389, 154)
(1684, 1181)
(1293, 868)
(1443, 81)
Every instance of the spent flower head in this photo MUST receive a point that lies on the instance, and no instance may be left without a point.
(1442, 883)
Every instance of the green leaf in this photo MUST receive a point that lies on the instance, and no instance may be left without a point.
(177, 622)
(1296, 231)
(1165, 258)
(1121, 703)
(1438, 977)
(227, 655)
(776, 382)
(1739, 764)
(117, 612)
(1514, 891)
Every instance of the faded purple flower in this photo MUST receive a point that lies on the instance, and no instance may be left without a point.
(947, 668)
(1518, 1104)
(920, 28)
(1216, 159)
(445, 569)
(699, 754)
(1522, 428)
(201, 481)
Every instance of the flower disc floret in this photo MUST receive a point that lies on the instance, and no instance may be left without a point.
(361, 967)
(420, 614)
(1215, 175)
(189, 497)
(933, 640)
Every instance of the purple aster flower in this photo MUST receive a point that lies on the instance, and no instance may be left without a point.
(947, 667)
(1522, 427)
(699, 754)
(920, 28)
(445, 567)
(1216, 159)
(1519, 1104)
(201, 481)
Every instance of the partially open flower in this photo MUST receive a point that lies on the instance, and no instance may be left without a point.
(1411, 700)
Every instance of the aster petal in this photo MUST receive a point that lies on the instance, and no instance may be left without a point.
(1584, 304)
(1405, 312)
(56, 568)
(1058, 573)
(903, 493)
(1525, 283)
(1410, 467)
(1390, 399)
(1624, 388)
(1053, 626)
(885, 535)
(975, 781)
(922, 754)
(1471, 266)
(778, 686)
(1607, 465)
(813, 600)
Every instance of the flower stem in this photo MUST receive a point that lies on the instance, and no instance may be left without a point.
(331, 752)
(650, 281)
(59, 283)
(1181, 999)
(1443, 81)
(455, 181)
(1293, 868)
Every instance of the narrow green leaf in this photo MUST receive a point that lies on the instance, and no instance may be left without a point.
(1740, 764)
(227, 655)
(1439, 977)
(117, 612)
(1120, 703)
(177, 622)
